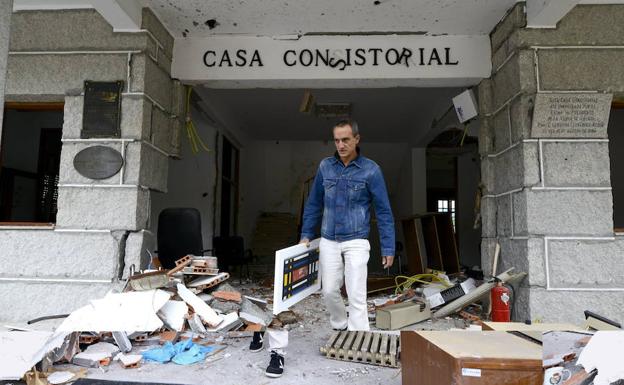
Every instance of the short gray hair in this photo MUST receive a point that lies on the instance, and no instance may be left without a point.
(355, 130)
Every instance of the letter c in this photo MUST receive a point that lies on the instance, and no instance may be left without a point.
(206, 58)
(286, 59)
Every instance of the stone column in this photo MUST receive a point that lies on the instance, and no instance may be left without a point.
(548, 199)
(6, 9)
(102, 225)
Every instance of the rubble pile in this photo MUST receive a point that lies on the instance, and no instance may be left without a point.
(182, 315)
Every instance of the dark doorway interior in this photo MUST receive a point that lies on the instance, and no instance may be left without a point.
(30, 156)
(229, 189)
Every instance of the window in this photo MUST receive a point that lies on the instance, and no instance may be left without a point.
(30, 155)
(446, 206)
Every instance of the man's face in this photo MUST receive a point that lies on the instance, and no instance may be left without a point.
(345, 142)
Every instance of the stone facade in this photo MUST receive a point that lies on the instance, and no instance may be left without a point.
(6, 9)
(101, 227)
(548, 201)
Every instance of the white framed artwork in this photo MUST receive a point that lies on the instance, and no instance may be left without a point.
(297, 275)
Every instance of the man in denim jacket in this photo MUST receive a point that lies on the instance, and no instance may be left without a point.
(343, 190)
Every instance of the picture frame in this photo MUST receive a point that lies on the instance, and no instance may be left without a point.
(297, 275)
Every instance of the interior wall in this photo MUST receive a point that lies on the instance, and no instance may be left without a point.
(419, 180)
(274, 172)
(616, 156)
(191, 180)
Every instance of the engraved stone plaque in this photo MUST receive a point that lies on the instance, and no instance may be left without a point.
(101, 112)
(571, 115)
(98, 162)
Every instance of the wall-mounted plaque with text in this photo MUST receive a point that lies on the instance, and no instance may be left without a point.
(102, 109)
(571, 115)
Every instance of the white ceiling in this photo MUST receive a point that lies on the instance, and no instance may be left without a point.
(384, 115)
(285, 17)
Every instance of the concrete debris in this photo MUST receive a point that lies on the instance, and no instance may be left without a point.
(122, 340)
(287, 317)
(173, 313)
(92, 359)
(130, 361)
(205, 312)
(206, 297)
(230, 322)
(129, 312)
(60, 377)
(196, 324)
(262, 303)
(103, 347)
(224, 306)
(20, 351)
(252, 313)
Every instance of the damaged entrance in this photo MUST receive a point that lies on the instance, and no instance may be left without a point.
(426, 155)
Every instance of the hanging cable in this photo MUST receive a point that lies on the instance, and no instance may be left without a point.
(194, 138)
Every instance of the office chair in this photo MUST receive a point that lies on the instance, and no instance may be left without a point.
(179, 233)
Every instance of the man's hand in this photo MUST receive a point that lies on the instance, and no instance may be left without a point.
(305, 241)
(387, 261)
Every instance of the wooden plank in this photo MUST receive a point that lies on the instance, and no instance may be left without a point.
(430, 232)
(35, 106)
(412, 248)
(448, 243)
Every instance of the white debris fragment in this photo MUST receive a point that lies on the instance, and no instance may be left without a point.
(604, 352)
(124, 312)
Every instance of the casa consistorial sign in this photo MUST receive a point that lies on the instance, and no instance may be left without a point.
(366, 57)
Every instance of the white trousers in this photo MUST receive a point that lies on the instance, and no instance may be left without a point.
(345, 262)
(278, 340)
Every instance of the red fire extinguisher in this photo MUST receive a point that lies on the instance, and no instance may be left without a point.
(501, 305)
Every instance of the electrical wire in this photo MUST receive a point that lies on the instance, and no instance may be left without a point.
(418, 278)
(194, 138)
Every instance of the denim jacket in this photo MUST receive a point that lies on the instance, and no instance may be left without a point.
(343, 195)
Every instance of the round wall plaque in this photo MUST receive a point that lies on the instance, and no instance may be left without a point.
(98, 162)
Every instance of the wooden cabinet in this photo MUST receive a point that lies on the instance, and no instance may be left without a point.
(469, 358)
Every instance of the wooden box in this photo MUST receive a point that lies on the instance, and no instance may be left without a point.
(469, 358)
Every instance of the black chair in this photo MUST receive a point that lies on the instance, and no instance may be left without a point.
(179, 233)
(230, 251)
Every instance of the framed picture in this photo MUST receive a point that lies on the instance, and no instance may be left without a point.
(297, 275)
